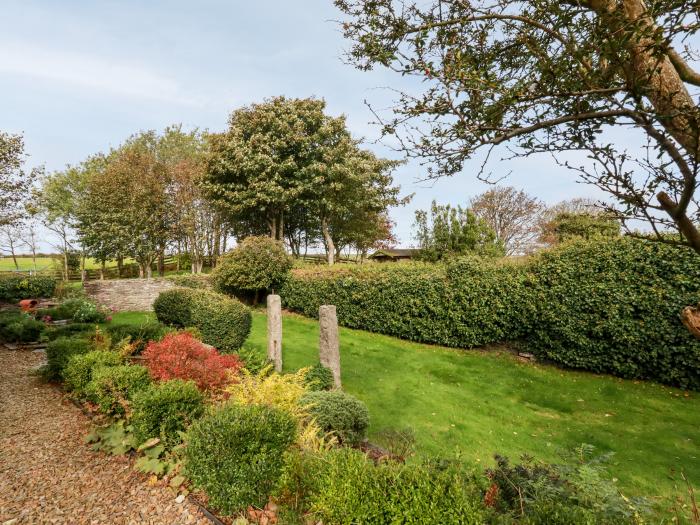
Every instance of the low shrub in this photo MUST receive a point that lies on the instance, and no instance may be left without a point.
(18, 327)
(343, 486)
(256, 264)
(88, 312)
(222, 321)
(14, 288)
(137, 335)
(235, 454)
(113, 387)
(465, 303)
(200, 281)
(613, 306)
(181, 356)
(69, 330)
(319, 377)
(165, 410)
(339, 413)
(65, 310)
(58, 353)
(253, 359)
(78, 371)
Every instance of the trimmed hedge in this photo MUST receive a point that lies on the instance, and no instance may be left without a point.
(14, 288)
(222, 321)
(58, 353)
(614, 306)
(113, 387)
(466, 303)
(78, 372)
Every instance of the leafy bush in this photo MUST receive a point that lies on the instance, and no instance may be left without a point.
(235, 454)
(223, 322)
(575, 493)
(58, 353)
(614, 305)
(166, 409)
(65, 310)
(181, 356)
(253, 359)
(319, 377)
(18, 327)
(257, 263)
(466, 303)
(340, 413)
(78, 371)
(14, 288)
(343, 486)
(138, 335)
(113, 387)
(88, 312)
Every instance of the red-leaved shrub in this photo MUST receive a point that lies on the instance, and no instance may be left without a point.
(181, 356)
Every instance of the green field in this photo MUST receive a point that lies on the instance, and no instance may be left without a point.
(44, 263)
(473, 404)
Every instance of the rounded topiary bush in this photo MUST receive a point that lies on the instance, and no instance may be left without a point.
(113, 387)
(614, 306)
(235, 454)
(164, 410)
(257, 263)
(78, 372)
(222, 321)
(339, 413)
(58, 353)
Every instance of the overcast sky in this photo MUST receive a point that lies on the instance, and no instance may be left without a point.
(80, 76)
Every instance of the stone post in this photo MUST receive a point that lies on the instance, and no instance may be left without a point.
(329, 347)
(274, 331)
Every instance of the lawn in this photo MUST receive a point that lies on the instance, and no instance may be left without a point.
(45, 263)
(473, 404)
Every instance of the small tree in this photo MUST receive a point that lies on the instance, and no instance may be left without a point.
(449, 231)
(257, 263)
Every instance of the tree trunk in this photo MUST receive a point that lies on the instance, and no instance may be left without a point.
(65, 259)
(330, 246)
(120, 266)
(12, 251)
(102, 270)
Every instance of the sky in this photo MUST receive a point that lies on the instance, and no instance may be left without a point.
(81, 76)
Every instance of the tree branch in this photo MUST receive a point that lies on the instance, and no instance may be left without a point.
(685, 225)
(687, 73)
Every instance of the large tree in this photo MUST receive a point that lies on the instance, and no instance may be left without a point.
(512, 214)
(15, 182)
(549, 76)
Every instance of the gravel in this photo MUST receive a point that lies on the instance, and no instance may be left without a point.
(49, 475)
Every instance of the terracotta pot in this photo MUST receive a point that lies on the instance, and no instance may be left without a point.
(28, 305)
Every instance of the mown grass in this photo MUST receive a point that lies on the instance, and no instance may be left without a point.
(472, 404)
(26, 264)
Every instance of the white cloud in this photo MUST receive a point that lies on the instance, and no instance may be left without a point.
(93, 73)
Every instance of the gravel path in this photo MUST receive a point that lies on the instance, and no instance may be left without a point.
(49, 475)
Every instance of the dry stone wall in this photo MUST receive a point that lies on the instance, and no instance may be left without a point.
(127, 294)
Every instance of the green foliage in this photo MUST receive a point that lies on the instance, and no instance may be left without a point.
(469, 302)
(89, 312)
(257, 263)
(14, 288)
(253, 360)
(138, 335)
(223, 322)
(113, 387)
(450, 232)
(198, 281)
(319, 377)
(78, 372)
(578, 492)
(567, 226)
(613, 306)
(235, 454)
(65, 310)
(69, 330)
(19, 327)
(348, 488)
(340, 413)
(58, 353)
(165, 410)
(116, 438)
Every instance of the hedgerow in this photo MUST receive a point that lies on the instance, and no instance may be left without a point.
(14, 288)
(614, 306)
(466, 303)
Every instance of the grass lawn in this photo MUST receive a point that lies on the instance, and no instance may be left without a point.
(473, 404)
(25, 263)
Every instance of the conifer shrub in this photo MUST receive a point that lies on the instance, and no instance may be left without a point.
(343, 415)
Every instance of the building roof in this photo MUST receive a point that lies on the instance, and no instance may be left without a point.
(395, 253)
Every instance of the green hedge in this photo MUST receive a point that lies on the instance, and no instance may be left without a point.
(58, 354)
(14, 288)
(614, 306)
(469, 302)
(223, 322)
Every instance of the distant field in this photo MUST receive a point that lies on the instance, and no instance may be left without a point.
(44, 263)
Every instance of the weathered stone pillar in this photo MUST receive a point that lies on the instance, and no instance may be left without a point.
(329, 347)
(274, 330)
